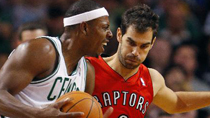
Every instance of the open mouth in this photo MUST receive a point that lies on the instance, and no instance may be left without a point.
(104, 44)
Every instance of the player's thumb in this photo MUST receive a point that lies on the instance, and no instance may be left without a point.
(108, 112)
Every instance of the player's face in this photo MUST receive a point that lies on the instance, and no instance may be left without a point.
(100, 35)
(134, 46)
(31, 34)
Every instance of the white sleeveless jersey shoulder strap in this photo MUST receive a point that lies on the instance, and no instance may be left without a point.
(45, 91)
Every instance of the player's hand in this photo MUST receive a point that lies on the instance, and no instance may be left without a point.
(53, 111)
(108, 112)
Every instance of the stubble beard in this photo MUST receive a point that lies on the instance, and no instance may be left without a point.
(123, 62)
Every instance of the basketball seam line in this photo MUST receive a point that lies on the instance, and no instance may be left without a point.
(76, 104)
(99, 108)
(90, 108)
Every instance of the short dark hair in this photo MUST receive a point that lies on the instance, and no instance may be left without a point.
(81, 6)
(141, 17)
(31, 26)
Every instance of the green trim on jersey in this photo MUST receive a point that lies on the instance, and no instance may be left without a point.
(75, 71)
(86, 69)
(54, 72)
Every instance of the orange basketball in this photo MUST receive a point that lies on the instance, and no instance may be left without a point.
(82, 102)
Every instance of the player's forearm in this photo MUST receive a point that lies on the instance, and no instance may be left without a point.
(192, 100)
(11, 107)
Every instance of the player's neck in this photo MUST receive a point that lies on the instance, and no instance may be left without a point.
(71, 52)
(71, 63)
(115, 64)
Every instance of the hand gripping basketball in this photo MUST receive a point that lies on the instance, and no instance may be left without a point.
(83, 102)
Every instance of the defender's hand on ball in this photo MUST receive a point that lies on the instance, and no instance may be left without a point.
(108, 112)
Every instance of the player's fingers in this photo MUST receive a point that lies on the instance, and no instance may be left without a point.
(59, 104)
(76, 114)
(73, 114)
(108, 112)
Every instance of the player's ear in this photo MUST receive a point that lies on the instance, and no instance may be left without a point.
(119, 35)
(84, 28)
(153, 42)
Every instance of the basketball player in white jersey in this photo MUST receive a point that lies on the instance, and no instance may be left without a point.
(40, 71)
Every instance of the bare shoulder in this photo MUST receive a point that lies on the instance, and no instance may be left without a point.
(157, 80)
(37, 46)
(32, 59)
(37, 56)
(155, 75)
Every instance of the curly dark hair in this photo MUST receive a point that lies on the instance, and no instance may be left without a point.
(142, 17)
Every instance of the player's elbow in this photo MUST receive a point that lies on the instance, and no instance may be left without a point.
(177, 109)
(170, 111)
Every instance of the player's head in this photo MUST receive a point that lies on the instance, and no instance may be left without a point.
(136, 35)
(31, 30)
(91, 23)
(186, 55)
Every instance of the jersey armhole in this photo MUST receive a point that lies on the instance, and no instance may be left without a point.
(55, 70)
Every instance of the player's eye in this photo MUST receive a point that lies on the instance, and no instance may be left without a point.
(132, 43)
(106, 27)
(144, 46)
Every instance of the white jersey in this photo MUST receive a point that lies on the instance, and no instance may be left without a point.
(45, 91)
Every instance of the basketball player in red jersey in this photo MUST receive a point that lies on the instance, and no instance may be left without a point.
(124, 83)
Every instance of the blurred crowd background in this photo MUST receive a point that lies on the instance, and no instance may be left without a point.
(181, 52)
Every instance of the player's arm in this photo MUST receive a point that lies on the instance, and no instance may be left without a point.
(32, 59)
(176, 102)
(90, 80)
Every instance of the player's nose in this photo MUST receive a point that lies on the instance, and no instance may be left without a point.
(135, 51)
(109, 34)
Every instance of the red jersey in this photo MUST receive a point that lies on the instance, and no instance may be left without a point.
(130, 98)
